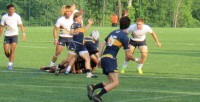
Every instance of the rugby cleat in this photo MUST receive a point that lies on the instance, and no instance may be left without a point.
(57, 71)
(122, 70)
(10, 67)
(90, 91)
(95, 98)
(140, 71)
(90, 75)
(66, 72)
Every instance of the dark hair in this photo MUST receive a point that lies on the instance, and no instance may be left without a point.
(77, 14)
(10, 5)
(124, 22)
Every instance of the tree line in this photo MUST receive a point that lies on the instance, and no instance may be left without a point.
(156, 13)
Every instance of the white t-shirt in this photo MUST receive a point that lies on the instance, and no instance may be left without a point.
(139, 35)
(64, 25)
(10, 23)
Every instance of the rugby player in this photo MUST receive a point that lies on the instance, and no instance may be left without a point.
(138, 39)
(10, 22)
(113, 42)
(63, 23)
(77, 47)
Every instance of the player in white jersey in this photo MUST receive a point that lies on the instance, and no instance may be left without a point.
(138, 39)
(10, 21)
(63, 23)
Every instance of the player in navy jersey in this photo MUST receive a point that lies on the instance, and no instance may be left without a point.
(77, 46)
(113, 42)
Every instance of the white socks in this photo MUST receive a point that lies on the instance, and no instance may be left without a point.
(10, 63)
(52, 64)
(125, 64)
(139, 66)
(68, 68)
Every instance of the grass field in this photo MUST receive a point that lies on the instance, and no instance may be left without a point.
(171, 73)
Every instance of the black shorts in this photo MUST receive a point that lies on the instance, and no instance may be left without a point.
(137, 43)
(10, 39)
(65, 41)
(76, 47)
(108, 65)
(93, 52)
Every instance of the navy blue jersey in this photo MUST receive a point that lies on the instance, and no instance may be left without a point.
(78, 38)
(91, 44)
(114, 41)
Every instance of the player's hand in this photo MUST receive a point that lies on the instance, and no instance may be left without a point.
(55, 42)
(24, 37)
(159, 44)
(90, 21)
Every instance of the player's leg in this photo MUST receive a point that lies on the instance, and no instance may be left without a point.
(94, 61)
(7, 44)
(57, 53)
(7, 49)
(125, 64)
(144, 52)
(86, 57)
(113, 83)
(71, 58)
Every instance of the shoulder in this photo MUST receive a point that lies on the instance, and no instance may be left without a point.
(133, 26)
(4, 16)
(146, 26)
(17, 15)
(61, 18)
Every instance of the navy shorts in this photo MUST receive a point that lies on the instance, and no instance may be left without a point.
(10, 39)
(108, 65)
(76, 47)
(65, 41)
(137, 43)
(92, 49)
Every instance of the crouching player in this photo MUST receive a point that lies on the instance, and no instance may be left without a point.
(113, 42)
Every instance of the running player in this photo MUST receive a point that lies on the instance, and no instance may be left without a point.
(64, 23)
(113, 42)
(10, 22)
(138, 39)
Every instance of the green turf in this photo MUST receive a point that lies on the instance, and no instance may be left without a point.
(171, 73)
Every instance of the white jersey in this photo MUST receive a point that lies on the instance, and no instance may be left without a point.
(139, 35)
(64, 25)
(10, 23)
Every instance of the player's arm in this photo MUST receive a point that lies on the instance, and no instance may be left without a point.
(129, 55)
(90, 22)
(1, 29)
(23, 32)
(156, 39)
(101, 47)
(74, 30)
(55, 30)
(2, 26)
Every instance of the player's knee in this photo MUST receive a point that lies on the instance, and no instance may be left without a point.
(116, 83)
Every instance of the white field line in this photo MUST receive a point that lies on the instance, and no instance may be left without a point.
(120, 90)
(125, 76)
(37, 47)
